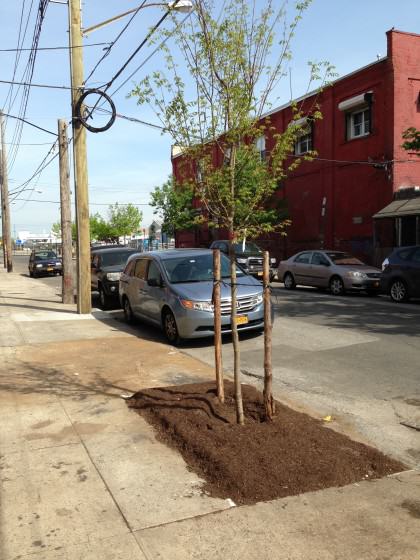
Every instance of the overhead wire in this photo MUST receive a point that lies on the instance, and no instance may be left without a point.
(29, 71)
(113, 43)
(58, 48)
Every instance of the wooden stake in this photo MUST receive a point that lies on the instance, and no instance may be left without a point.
(268, 327)
(66, 238)
(218, 326)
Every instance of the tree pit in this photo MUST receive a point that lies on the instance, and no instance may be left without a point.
(260, 460)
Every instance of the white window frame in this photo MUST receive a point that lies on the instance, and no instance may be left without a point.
(303, 144)
(260, 147)
(364, 124)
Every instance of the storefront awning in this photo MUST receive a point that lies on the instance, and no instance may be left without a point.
(399, 208)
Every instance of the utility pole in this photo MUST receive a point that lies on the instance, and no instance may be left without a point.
(3, 237)
(80, 161)
(66, 237)
(5, 210)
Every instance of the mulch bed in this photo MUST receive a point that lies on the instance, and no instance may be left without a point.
(259, 461)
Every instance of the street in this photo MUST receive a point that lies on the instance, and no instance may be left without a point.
(353, 357)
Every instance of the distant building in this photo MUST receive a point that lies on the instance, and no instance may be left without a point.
(349, 197)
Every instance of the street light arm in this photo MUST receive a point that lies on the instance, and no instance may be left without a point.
(181, 5)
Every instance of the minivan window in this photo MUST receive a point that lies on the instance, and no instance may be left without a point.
(154, 272)
(196, 268)
(140, 269)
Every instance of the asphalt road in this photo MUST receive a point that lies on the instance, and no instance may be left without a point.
(354, 357)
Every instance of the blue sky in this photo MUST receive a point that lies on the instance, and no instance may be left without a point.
(126, 162)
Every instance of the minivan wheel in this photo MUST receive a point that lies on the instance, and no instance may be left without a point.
(289, 281)
(128, 312)
(336, 286)
(398, 291)
(170, 328)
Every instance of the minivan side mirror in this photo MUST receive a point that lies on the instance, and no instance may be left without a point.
(154, 283)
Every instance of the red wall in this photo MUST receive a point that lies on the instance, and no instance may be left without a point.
(353, 191)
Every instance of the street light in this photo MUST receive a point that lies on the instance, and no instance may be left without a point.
(183, 6)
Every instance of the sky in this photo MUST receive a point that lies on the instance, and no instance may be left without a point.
(126, 162)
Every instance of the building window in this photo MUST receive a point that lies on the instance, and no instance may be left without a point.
(358, 123)
(260, 146)
(303, 144)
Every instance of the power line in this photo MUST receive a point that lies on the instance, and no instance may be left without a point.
(30, 124)
(90, 203)
(108, 50)
(57, 48)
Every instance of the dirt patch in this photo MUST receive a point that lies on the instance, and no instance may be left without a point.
(259, 461)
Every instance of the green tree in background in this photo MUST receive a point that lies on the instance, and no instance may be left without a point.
(174, 206)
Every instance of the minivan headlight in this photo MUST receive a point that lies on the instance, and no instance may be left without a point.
(197, 305)
(113, 276)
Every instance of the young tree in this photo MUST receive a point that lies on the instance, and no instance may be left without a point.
(174, 206)
(124, 219)
(234, 60)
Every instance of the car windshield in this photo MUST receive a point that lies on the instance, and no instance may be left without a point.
(345, 259)
(196, 268)
(115, 258)
(246, 248)
(45, 255)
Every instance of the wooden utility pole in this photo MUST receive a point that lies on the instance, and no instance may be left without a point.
(268, 327)
(5, 210)
(80, 161)
(66, 238)
(218, 325)
(3, 237)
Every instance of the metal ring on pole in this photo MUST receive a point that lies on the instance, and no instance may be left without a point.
(83, 120)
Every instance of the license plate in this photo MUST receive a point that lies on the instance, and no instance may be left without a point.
(260, 273)
(50, 269)
(241, 320)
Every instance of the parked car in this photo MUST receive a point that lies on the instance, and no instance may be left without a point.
(335, 270)
(401, 274)
(106, 267)
(249, 257)
(42, 262)
(173, 290)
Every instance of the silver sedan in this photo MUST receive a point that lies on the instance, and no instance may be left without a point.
(335, 270)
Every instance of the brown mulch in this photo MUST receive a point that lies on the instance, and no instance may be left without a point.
(258, 461)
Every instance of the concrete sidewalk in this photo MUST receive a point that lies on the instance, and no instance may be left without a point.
(83, 477)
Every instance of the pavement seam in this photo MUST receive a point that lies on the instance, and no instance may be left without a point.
(96, 468)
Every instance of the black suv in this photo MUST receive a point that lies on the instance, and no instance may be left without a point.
(401, 274)
(249, 257)
(106, 267)
(44, 261)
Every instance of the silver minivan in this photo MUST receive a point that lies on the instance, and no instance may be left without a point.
(173, 290)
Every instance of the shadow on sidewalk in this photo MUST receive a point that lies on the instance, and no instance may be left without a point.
(26, 379)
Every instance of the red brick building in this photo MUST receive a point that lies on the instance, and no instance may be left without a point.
(349, 197)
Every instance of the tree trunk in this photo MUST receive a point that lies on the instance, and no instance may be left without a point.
(268, 327)
(218, 326)
(235, 338)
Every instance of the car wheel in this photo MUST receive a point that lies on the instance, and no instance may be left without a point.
(170, 327)
(398, 291)
(336, 286)
(103, 298)
(289, 281)
(128, 312)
